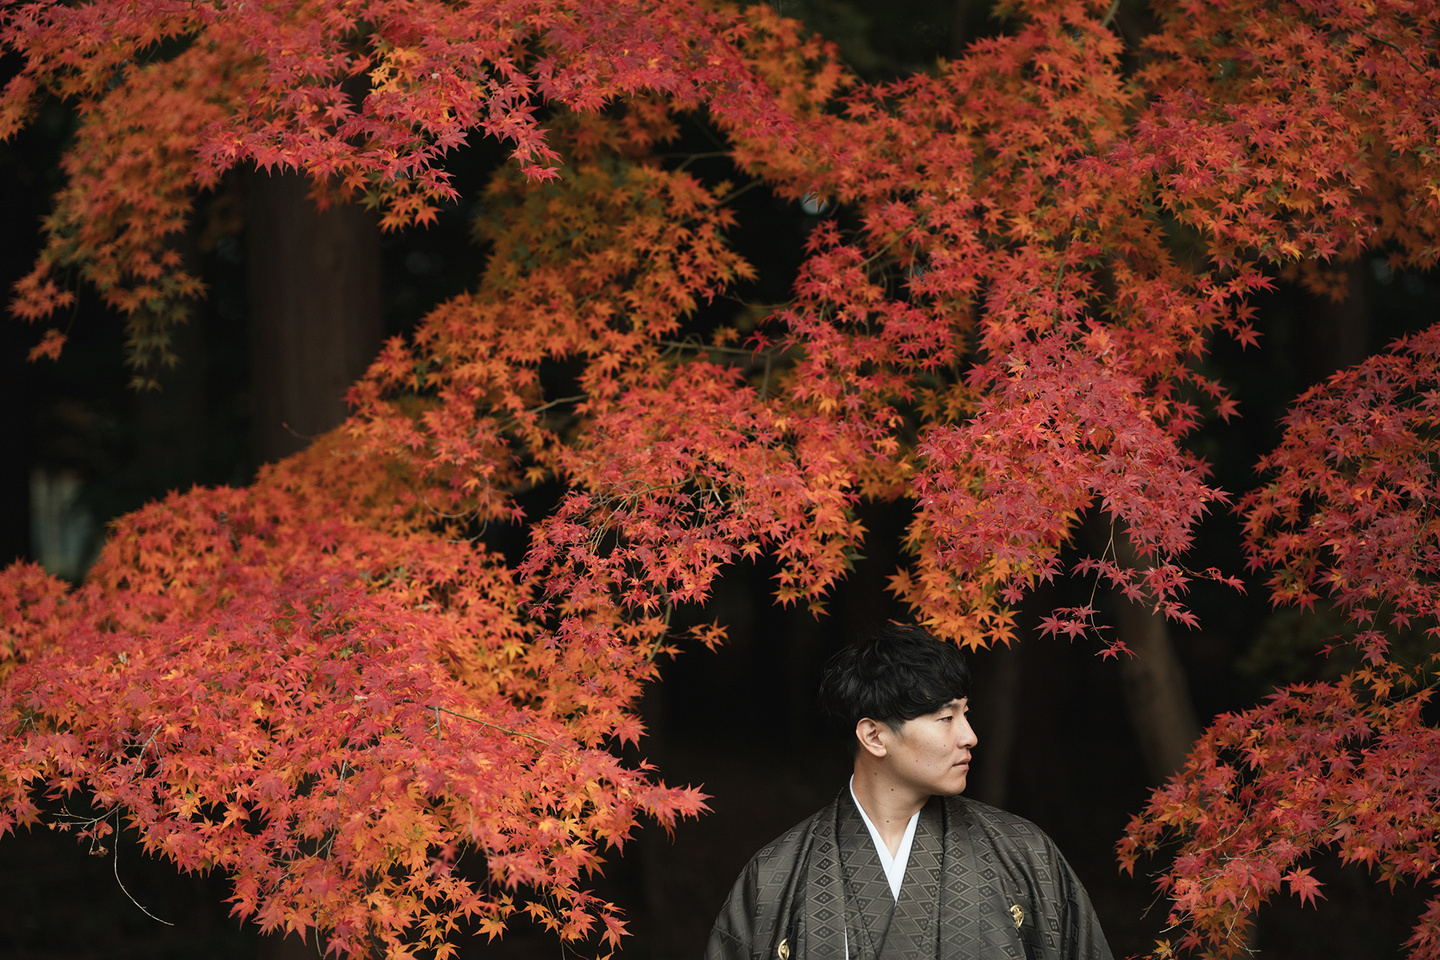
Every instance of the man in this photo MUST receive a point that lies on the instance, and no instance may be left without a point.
(900, 866)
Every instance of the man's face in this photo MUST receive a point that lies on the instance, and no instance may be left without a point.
(931, 753)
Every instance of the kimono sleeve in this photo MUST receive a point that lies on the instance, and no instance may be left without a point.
(1071, 928)
(760, 913)
(733, 935)
(1040, 892)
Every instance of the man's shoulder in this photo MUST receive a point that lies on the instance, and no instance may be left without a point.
(792, 842)
(763, 898)
(1002, 826)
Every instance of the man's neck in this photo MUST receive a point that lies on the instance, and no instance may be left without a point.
(888, 805)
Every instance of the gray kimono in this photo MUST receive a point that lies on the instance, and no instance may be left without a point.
(980, 884)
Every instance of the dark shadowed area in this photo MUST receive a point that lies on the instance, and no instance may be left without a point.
(1067, 739)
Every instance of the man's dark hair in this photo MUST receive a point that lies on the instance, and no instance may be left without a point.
(898, 674)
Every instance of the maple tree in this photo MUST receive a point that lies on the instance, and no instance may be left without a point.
(1350, 764)
(328, 685)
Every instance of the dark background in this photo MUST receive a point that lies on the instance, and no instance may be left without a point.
(1057, 741)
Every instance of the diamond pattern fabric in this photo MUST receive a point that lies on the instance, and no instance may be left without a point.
(972, 872)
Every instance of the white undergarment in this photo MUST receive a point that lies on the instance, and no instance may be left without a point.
(894, 866)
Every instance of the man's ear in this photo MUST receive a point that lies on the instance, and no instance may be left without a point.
(867, 731)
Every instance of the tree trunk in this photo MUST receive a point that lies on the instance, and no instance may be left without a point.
(1157, 697)
(959, 28)
(316, 314)
(316, 322)
(1335, 334)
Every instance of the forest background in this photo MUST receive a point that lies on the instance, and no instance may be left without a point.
(1073, 740)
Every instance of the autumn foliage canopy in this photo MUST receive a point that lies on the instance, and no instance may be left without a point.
(327, 685)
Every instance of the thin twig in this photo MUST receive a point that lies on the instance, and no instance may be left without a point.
(738, 191)
(703, 348)
(496, 726)
(115, 865)
(140, 757)
(692, 157)
(555, 403)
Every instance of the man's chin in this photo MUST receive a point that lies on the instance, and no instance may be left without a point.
(952, 790)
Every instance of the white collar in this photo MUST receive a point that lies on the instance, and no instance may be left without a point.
(894, 866)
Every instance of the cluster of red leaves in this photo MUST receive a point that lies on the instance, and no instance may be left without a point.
(1350, 516)
(295, 684)
(1357, 170)
(1352, 511)
(172, 95)
(307, 691)
(1009, 337)
(1349, 766)
(1010, 317)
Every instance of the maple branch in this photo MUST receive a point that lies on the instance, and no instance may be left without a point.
(329, 845)
(557, 402)
(691, 157)
(495, 726)
(769, 354)
(1235, 917)
(514, 421)
(115, 867)
(139, 757)
(658, 645)
(738, 192)
(704, 348)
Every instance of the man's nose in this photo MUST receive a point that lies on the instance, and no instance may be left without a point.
(967, 735)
